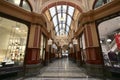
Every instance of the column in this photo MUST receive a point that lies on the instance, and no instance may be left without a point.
(78, 54)
(94, 61)
(47, 54)
(32, 57)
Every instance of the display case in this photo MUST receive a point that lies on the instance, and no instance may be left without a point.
(12, 43)
(16, 48)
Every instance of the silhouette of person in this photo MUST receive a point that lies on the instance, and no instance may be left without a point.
(113, 57)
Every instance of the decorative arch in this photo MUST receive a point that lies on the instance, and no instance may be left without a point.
(61, 3)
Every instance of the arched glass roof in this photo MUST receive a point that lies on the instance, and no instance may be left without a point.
(62, 16)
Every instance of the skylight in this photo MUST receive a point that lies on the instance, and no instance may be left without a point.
(62, 18)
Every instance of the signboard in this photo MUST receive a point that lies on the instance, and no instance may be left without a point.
(49, 42)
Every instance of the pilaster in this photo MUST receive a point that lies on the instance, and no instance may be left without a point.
(32, 58)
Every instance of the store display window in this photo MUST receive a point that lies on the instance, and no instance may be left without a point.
(82, 48)
(109, 32)
(13, 37)
(43, 46)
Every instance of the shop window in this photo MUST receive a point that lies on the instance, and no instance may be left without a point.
(42, 46)
(109, 32)
(82, 48)
(13, 37)
(99, 3)
(21, 3)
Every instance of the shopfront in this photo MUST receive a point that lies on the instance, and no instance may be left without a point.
(82, 48)
(12, 43)
(43, 47)
(109, 35)
(13, 37)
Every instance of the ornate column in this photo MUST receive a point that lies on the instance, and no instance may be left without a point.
(94, 61)
(32, 57)
(92, 46)
(78, 53)
(71, 53)
(75, 49)
(50, 44)
(47, 54)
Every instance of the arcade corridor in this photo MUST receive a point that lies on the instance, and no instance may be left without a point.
(61, 69)
(59, 39)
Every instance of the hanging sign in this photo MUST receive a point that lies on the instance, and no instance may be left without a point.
(117, 39)
(75, 41)
(50, 42)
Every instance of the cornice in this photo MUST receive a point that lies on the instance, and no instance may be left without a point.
(97, 14)
(19, 13)
(106, 10)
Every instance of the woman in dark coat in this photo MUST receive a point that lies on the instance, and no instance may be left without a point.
(113, 57)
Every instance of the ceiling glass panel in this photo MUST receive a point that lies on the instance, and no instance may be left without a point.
(52, 11)
(67, 28)
(60, 26)
(64, 17)
(70, 10)
(56, 29)
(63, 26)
(64, 8)
(61, 19)
(59, 8)
(66, 33)
(55, 20)
(69, 20)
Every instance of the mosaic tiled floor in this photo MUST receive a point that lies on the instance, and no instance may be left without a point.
(62, 69)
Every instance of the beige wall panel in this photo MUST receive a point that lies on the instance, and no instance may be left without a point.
(94, 35)
(31, 36)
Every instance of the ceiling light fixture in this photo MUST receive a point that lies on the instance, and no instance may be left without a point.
(17, 28)
(62, 19)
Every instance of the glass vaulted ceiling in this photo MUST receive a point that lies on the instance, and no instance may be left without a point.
(62, 18)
